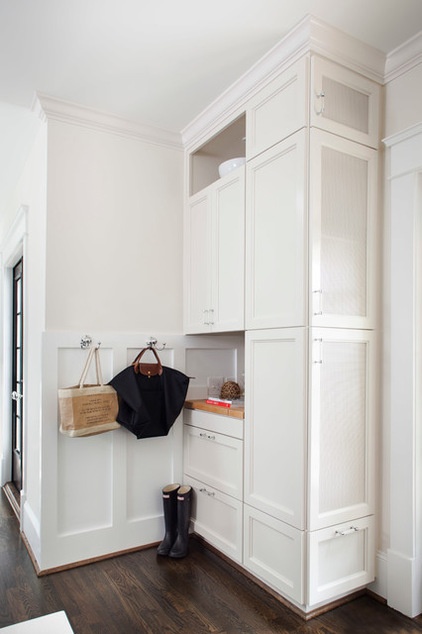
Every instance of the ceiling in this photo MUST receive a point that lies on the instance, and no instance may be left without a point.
(157, 62)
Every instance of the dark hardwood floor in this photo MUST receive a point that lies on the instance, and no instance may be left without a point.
(143, 593)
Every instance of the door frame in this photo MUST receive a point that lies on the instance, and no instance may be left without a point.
(12, 250)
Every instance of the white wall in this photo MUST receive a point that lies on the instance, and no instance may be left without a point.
(114, 232)
(403, 105)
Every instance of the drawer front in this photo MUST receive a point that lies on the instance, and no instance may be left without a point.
(274, 552)
(217, 518)
(341, 559)
(219, 423)
(214, 459)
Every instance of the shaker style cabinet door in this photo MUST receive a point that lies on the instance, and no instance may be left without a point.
(214, 259)
(278, 110)
(343, 213)
(344, 102)
(341, 428)
(275, 423)
(276, 236)
(197, 276)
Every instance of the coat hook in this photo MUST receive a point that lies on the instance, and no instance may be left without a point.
(86, 342)
(152, 343)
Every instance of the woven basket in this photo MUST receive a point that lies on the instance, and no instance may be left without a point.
(230, 390)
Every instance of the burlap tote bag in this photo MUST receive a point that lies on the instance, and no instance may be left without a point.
(87, 410)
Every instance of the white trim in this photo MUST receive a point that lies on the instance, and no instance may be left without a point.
(408, 133)
(403, 58)
(71, 113)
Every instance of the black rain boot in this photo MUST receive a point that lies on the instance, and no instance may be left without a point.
(170, 518)
(184, 504)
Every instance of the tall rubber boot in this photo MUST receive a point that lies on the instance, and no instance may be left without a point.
(170, 518)
(184, 505)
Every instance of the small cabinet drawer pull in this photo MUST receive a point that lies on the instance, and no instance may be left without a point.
(205, 317)
(207, 436)
(318, 295)
(347, 531)
(209, 493)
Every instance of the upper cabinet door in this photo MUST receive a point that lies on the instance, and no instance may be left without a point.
(228, 253)
(278, 110)
(343, 212)
(276, 236)
(197, 278)
(344, 102)
(214, 258)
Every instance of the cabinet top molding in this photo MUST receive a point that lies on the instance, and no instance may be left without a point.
(311, 35)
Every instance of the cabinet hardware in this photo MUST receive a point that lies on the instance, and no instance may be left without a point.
(320, 95)
(318, 294)
(202, 435)
(205, 318)
(347, 531)
(209, 493)
(16, 396)
(211, 319)
(318, 357)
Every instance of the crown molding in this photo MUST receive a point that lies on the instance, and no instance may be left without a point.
(311, 35)
(51, 109)
(404, 58)
(404, 135)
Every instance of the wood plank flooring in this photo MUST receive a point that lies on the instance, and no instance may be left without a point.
(145, 594)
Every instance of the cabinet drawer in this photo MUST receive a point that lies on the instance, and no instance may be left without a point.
(217, 518)
(278, 110)
(274, 552)
(341, 559)
(219, 423)
(214, 459)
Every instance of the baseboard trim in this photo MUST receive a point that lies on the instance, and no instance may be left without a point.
(13, 497)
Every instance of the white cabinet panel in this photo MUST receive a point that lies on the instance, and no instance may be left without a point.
(276, 236)
(341, 559)
(343, 204)
(214, 256)
(278, 110)
(274, 551)
(344, 102)
(275, 424)
(198, 263)
(341, 426)
(215, 459)
(218, 518)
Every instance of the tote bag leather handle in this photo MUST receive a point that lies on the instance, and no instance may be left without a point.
(137, 365)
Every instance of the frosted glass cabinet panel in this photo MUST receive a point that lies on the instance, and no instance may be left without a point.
(341, 428)
(344, 102)
(343, 199)
(276, 230)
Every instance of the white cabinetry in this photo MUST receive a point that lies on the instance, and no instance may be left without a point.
(344, 102)
(278, 110)
(214, 239)
(311, 184)
(276, 235)
(333, 444)
(213, 466)
(343, 213)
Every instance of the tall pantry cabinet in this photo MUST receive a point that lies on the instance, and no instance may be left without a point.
(311, 188)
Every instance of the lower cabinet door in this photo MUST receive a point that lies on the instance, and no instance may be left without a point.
(341, 559)
(274, 552)
(217, 518)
